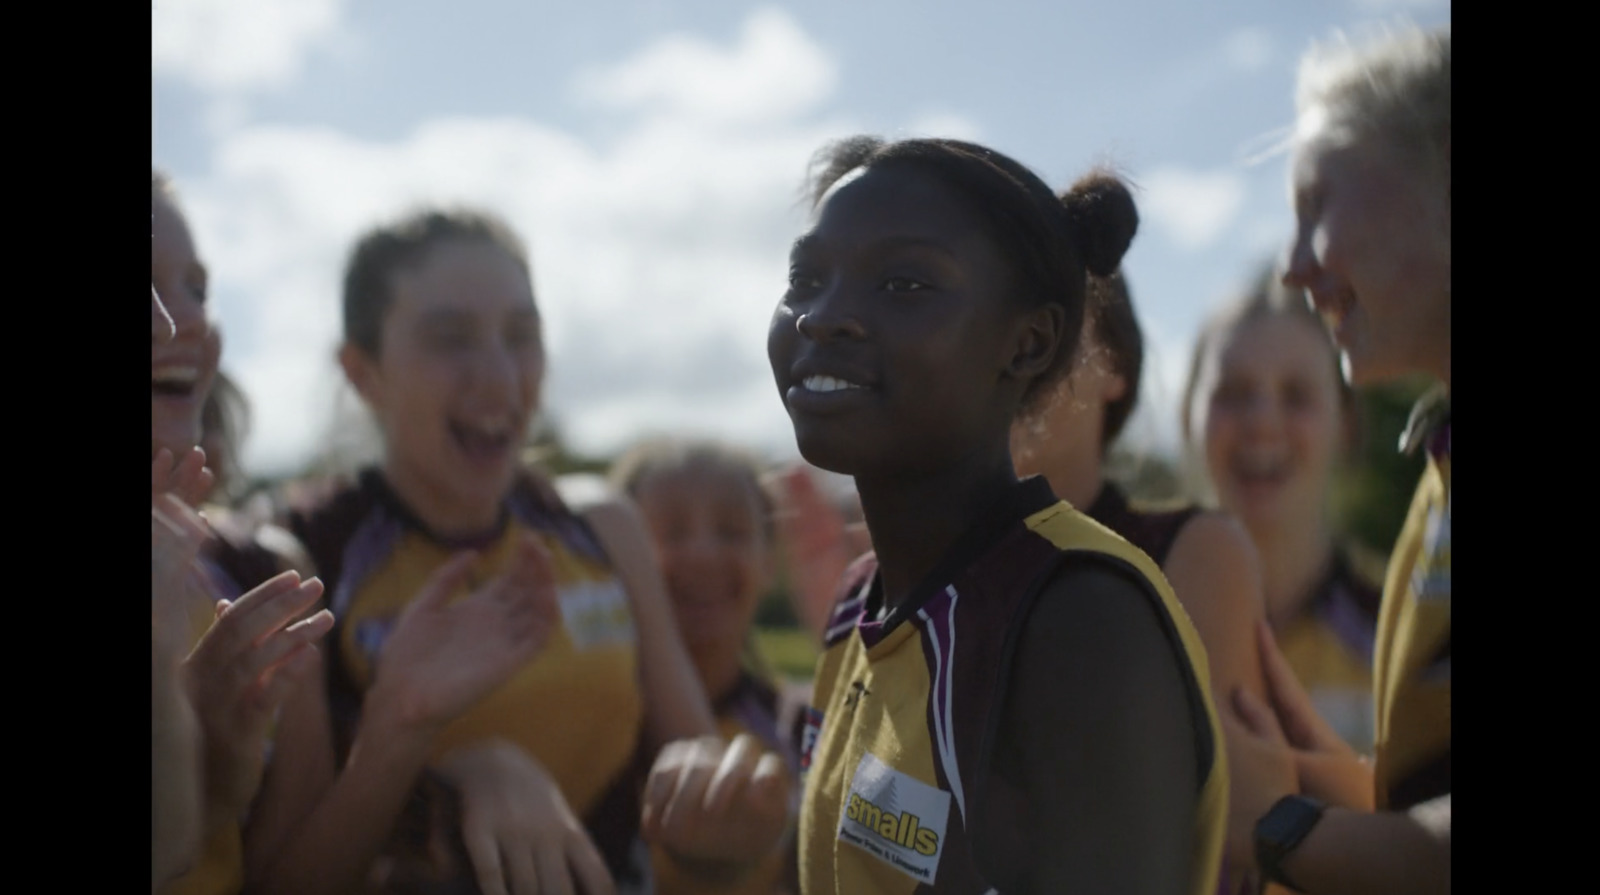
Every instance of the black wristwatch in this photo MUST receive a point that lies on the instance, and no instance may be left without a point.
(1280, 830)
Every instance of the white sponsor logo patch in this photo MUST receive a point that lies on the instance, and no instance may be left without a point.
(596, 613)
(895, 818)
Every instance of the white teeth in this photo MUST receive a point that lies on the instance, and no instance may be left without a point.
(176, 375)
(826, 384)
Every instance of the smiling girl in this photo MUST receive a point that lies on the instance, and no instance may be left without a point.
(1009, 696)
(532, 785)
(1268, 411)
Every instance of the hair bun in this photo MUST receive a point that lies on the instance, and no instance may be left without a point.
(1104, 220)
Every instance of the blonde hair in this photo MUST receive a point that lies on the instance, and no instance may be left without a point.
(1395, 86)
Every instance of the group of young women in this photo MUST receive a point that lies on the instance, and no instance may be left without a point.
(1029, 684)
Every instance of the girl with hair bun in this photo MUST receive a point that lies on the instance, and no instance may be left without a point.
(1009, 696)
(1370, 181)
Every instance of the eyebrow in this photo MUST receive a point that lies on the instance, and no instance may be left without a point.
(810, 242)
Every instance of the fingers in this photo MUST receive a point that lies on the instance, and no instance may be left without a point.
(191, 480)
(1302, 726)
(733, 773)
(663, 782)
(588, 867)
(1257, 716)
(271, 660)
(521, 872)
(550, 862)
(446, 580)
(688, 795)
(266, 608)
(484, 853)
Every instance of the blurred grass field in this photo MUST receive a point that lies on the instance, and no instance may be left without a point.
(789, 650)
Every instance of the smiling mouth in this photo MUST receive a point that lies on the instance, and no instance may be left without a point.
(1260, 470)
(824, 384)
(174, 382)
(483, 439)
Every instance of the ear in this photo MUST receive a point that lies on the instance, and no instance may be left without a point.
(1116, 387)
(1037, 339)
(362, 372)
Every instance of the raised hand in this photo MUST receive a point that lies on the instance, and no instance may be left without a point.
(717, 806)
(238, 676)
(444, 656)
(187, 477)
(176, 536)
(1327, 767)
(818, 544)
(519, 831)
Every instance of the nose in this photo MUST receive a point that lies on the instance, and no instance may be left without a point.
(162, 328)
(829, 318)
(1259, 413)
(1300, 265)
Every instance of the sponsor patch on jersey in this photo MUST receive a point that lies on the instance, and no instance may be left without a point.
(596, 613)
(810, 732)
(895, 818)
(1430, 580)
(370, 633)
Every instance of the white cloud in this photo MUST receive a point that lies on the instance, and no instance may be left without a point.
(774, 72)
(225, 45)
(1193, 208)
(658, 259)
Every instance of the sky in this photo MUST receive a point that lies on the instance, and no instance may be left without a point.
(651, 152)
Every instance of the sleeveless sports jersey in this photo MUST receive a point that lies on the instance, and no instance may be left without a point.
(899, 746)
(1151, 529)
(750, 707)
(1330, 649)
(576, 708)
(1411, 668)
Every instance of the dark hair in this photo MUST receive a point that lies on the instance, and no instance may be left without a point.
(671, 455)
(1118, 331)
(404, 244)
(1051, 242)
(1266, 297)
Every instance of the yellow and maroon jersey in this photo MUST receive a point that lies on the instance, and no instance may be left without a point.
(898, 746)
(1330, 649)
(1411, 667)
(576, 708)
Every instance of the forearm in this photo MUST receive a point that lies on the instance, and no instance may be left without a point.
(1380, 853)
(174, 778)
(334, 848)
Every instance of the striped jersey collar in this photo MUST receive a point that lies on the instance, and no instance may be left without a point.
(1026, 497)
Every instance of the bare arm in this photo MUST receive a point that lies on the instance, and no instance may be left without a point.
(1216, 575)
(1100, 714)
(441, 658)
(1384, 853)
(675, 703)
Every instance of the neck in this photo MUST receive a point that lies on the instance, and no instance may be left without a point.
(1074, 477)
(914, 519)
(446, 515)
(718, 669)
(1294, 558)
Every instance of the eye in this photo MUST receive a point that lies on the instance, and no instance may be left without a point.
(803, 280)
(449, 339)
(903, 284)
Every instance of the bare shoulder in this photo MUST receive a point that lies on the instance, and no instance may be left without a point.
(1214, 557)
